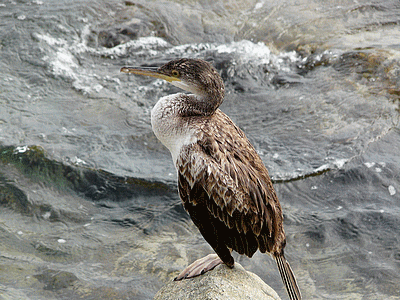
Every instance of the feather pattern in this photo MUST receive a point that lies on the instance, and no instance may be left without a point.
(288, 277)
(228, 193)
(222, 173)
(222, 181)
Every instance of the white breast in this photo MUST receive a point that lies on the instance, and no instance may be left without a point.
(169, 128)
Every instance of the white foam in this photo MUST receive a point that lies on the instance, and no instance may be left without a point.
(144, 46)
(392, 190)
(76, 160)
(322, 168)
(247, 51)
(259, 5)
(339, 163)
(21, 149)
(369, 164)
(49, 39)
(62, 55)
(62, 58)
(242, 52)
(62, 62)
(334, 164)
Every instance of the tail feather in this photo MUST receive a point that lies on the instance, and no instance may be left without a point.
(288, 278)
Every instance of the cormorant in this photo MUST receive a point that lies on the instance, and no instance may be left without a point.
(223, 183)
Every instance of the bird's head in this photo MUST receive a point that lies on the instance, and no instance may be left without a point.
(193, 75)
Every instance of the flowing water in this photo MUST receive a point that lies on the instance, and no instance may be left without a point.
(88, 200)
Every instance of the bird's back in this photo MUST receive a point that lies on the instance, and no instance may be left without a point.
(223, 172)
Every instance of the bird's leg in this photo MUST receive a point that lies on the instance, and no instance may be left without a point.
(200, 266)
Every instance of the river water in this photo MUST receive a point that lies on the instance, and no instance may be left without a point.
(88, 200)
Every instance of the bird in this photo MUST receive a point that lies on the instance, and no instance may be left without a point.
(222, 181)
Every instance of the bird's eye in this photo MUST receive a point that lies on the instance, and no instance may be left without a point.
(175, 73)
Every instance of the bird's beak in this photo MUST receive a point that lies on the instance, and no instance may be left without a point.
(148, 72)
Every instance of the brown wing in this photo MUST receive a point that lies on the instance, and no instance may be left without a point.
(227, 190)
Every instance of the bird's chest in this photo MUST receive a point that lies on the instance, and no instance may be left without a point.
(173, 131)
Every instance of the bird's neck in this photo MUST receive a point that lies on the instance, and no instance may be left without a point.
(197, 105)
(203, 99)
(174, 116)
(170, 121)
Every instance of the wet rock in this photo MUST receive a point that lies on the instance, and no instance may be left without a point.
(221, 283)
(176, 23)
(56, 280)
(12, 197)
(122, 33)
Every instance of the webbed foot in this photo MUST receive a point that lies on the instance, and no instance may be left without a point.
(200, 266)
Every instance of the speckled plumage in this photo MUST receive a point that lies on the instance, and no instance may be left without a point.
(222, 181)
(222, 172)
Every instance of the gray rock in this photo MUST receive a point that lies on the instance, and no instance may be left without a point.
(221, 283)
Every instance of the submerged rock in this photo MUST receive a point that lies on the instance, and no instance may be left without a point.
(221, 283)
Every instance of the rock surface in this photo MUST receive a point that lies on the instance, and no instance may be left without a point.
(221, 283)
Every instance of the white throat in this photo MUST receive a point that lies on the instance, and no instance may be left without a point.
(186, 87)
(172, 130)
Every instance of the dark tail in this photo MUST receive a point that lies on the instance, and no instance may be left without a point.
(288, 277)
